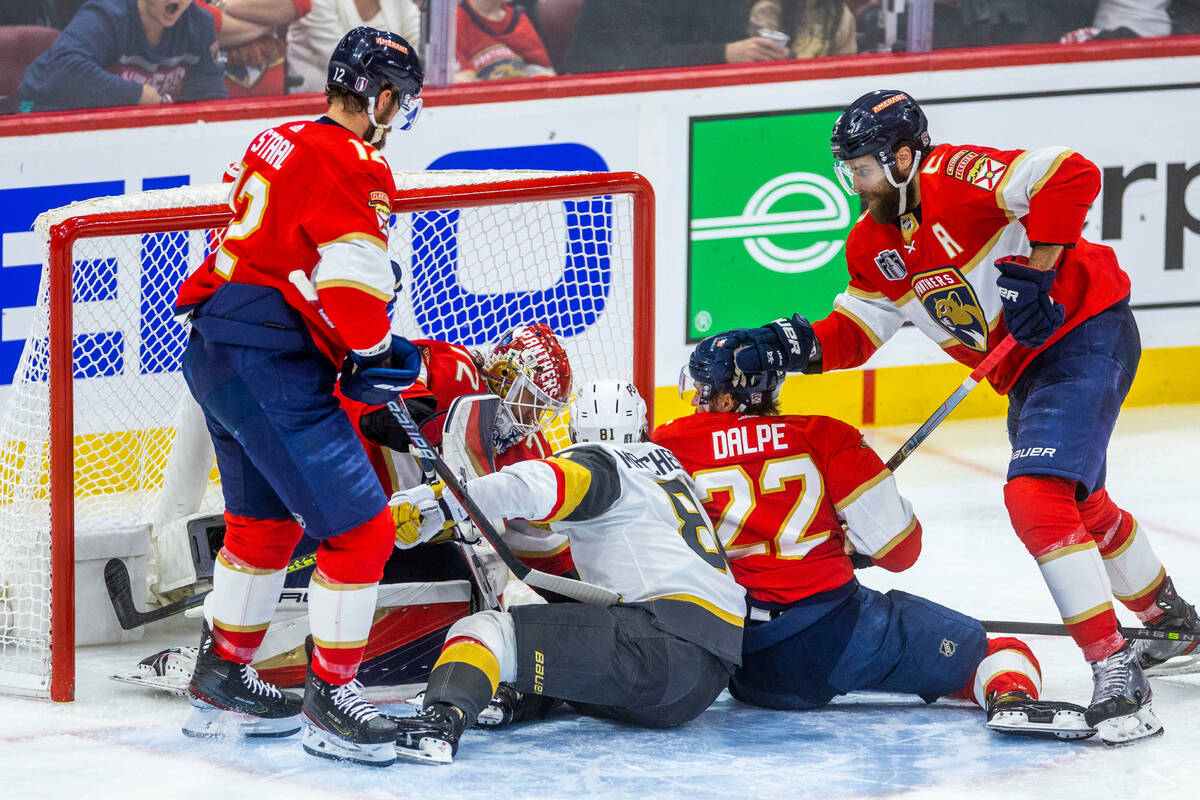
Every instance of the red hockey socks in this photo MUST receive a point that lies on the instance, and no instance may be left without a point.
(1045, 517)
(1135, 572)
(1007, 666)
(247, 577)
(342, 593)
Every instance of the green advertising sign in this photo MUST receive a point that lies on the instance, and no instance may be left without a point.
(768, 220)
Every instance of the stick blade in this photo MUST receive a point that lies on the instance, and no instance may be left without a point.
(116, 580)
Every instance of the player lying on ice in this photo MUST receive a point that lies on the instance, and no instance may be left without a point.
(657, 658)
(793, 497)
(423, 590)
(969, 244)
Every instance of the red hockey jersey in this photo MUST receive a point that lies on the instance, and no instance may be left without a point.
(302, 186)
(784, 494)
(936, 268)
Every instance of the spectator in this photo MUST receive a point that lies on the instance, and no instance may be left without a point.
(814, 27)
(250, 35)
(1125, 19)
(993, 22)
(642, 34)
(311, 39)
(496, 40)
(1185, 16)
(124, 53)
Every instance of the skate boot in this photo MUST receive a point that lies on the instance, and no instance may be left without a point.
(1120, 710)
(509, 706)
(1154, 654)
(431, 736)
(1018, 714)
(343, 725)
(229, 699)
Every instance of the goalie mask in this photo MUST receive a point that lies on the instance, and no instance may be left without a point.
(608, 411)
(529, 371)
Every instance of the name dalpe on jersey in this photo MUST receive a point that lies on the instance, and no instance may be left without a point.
(742, 441)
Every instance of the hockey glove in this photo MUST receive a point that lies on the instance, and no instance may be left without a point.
(423, 513)
(785, 344)
(379, 379)
(1029, 313)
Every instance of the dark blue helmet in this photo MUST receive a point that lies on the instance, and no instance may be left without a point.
(366, 60)
(711, 367)
(875, 123)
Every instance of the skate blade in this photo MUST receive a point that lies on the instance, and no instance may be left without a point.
(1127, 730)
(323, 744)
(1180, 665)
(162, 683)
(210, 722)
(1066, 725)
(427, 751)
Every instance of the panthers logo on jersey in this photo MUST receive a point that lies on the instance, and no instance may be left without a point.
(949, 299)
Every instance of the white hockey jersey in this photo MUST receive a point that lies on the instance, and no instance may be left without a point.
(633, 520)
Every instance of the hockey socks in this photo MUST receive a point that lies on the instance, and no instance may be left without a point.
(466, 676)
(1135, 572)
(247, 577)
(1007, 666)
(1046, 519)
(342, 594)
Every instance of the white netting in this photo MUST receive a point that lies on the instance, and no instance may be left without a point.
(470, 274)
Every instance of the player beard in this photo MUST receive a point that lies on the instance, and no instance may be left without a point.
(884, 206)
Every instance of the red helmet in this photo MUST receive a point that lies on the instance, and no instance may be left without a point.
(530, 372)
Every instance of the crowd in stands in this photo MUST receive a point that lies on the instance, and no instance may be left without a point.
(67, 54)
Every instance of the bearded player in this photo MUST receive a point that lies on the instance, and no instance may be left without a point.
(793, 497)
(971, 244)
(311, 205)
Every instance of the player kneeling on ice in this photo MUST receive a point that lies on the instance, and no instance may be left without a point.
(794, 497)
(657, 658)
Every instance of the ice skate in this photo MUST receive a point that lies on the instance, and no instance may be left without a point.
(509, 706)
(342, 725)
(229, 699)
(1120, 709)
(1018, 714)
(1165, 656)
(168, 670)
(431, 736)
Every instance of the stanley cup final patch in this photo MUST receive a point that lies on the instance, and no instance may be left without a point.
(891, 264)
(950, 300)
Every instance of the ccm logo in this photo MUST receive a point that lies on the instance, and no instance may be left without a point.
(1031, 452)
(1009, 294)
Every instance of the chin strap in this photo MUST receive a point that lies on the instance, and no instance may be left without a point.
(376, 132)
(903, 187)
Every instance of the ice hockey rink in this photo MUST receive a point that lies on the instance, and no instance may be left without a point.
(118, 741)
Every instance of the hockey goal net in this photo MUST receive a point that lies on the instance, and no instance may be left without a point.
(99, 418)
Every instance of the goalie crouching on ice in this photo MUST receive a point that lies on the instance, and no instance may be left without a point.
(659, 656)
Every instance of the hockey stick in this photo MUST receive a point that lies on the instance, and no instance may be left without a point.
(922, 433)
(116, 580)
(576, 590)
(1056, 629)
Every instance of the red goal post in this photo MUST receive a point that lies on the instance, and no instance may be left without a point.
(480, 250)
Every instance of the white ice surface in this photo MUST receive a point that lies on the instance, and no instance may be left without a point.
(117, 741)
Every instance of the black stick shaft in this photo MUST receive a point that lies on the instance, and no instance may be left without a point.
(120, 593)
(1056, 629)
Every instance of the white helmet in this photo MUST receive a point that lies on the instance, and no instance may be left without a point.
(608, 411)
